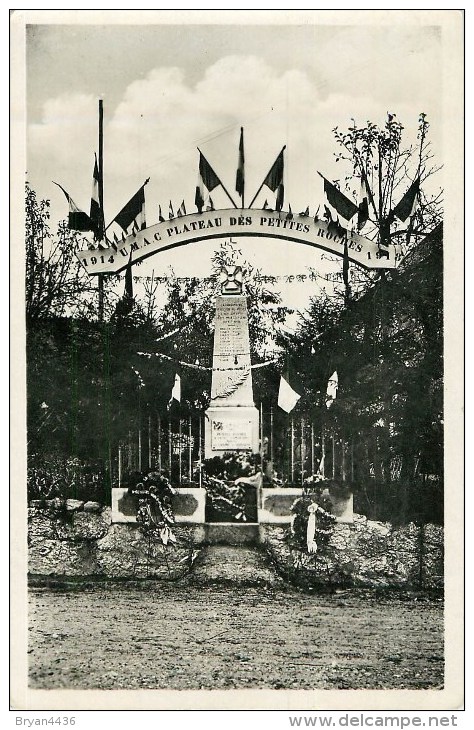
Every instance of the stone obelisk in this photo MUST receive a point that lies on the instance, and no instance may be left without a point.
(232, 418)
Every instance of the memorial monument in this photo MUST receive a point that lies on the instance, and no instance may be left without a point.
(232, 420)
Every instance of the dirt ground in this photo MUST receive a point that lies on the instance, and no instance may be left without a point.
(156, 636)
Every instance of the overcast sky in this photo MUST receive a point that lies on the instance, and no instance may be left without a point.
(170, 88)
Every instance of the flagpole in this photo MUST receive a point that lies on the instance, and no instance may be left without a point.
(271, 441)
(149, 442)
(139, 448)
(200, 451)
(312, 448)
(159, 445)
(261, 437)
(302, 451)
(101, 203)
(292, 450)
(323, 452)
(120, 466)
(344, 476)
(190, 452)
(130, 465)
(261, 186)
(333, 456)
(169, 446)
(180, 453)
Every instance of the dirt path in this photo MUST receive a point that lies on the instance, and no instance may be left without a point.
(151, 635)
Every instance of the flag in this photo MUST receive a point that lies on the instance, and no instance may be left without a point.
(289, 215)
(171, 212)
(363, 210)
(287, 397)
(95, 212)
(274, 180)
(338, 200)
(78, 220)
(133, 211)
(240, 178)
(207, 178)
(211, 204)
(176, 391)
(331, 391)
(160, 217)
(265, 205)
(305, 214)
(406, 206)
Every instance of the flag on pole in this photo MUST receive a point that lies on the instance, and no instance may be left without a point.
(406, 207)
(78, 220)
(331, 391)
(289, 215)
(95, 211)
(207, 178)
(345, 207)
(171, 212)
(274, 180)
(287, 397)
(240, 177)
(176, 391)
(211, 204)
(305, 213)
(134, 211)
(160, 216)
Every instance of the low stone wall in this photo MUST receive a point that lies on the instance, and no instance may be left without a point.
(364, 554)
(74, 539)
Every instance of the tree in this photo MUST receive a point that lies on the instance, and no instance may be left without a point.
(56, 284)
(377, 156)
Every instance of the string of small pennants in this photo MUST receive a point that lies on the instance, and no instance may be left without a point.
(259, 278)
(197, 366)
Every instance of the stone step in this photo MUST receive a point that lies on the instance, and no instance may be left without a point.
(241, 565)
(230, 533)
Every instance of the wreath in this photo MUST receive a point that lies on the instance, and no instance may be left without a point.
(155, 511)
(312, 522)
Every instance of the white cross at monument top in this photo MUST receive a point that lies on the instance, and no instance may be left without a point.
(231, 280)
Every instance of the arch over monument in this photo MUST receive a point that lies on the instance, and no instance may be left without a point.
(233, 222)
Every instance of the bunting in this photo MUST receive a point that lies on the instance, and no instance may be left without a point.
(406, 207)
(345, 207)
(133, 213)
(207, 178)
(274, 180)
(78, 220)
(95, 211)
(287, 397)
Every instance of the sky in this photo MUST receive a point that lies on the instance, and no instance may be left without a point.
(168, 89)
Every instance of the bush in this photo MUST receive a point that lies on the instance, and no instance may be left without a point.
(54, 475)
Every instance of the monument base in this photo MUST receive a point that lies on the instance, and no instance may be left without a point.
(231, 429)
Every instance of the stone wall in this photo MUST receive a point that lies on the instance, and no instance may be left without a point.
(70, 538)
(73, 539)
(364, 554)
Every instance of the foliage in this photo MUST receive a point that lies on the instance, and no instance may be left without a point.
(320, 504)
(378, 155)
(56, 283)
(53, 475)
(155, 511)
